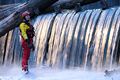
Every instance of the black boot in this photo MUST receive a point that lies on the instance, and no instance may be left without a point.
(25, 70)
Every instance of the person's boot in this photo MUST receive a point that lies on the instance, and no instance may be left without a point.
(25, 69)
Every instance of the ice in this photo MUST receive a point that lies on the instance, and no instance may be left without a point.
(46, 73)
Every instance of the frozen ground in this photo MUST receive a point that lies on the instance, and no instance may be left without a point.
(44, 73)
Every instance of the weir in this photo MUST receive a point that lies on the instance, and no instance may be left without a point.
(88, 39)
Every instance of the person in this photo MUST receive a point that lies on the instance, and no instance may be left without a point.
(27, 34)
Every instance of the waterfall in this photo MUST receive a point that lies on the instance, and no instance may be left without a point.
(10, 48)
(88, 39)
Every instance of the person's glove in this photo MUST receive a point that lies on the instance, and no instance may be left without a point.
(28, 41)
(31, 46)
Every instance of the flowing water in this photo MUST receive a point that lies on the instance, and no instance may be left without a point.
(88, 39)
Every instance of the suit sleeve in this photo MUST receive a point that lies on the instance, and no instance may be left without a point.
(23, 31)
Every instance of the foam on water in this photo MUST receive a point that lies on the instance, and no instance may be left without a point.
(45, 73)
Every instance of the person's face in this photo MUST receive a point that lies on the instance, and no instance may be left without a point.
(27, 17)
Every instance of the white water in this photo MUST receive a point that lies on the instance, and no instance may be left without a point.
(73, 39)
(45, 73)
(85, 39)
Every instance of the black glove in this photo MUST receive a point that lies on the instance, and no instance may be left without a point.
(31, 46)
(28, 41)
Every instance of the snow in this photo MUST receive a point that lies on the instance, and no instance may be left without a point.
(45, 73)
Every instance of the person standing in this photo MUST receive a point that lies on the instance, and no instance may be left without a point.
(27, 34)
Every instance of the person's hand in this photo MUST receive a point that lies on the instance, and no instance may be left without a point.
(28, 41)
(31, 46)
